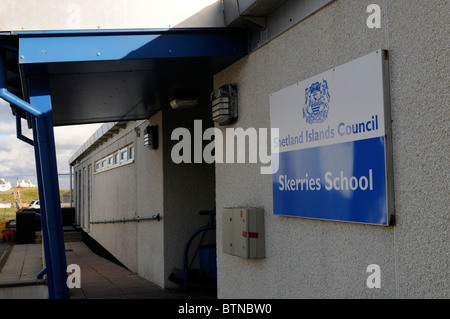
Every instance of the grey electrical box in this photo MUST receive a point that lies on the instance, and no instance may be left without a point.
(243, 232)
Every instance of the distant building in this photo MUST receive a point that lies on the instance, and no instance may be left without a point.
(4, 186)
(24, 183)
(5, 204)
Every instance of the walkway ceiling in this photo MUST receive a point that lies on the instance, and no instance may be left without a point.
(115, 75)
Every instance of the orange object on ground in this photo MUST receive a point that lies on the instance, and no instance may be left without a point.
(8, 234)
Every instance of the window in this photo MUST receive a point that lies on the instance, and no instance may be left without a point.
(119, 158)
(123, 155)
(131, 152)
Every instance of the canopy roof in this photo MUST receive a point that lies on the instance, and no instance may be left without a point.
(116, 75)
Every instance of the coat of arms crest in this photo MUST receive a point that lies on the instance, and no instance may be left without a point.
(317, 99)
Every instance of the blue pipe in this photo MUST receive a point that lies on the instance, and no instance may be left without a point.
(210, 226)
(11, 98)
(186, 254)
(18, 102)
(41, 273)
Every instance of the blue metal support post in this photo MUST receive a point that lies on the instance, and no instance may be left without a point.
(40, 109)
(45, 241)
(45, 148)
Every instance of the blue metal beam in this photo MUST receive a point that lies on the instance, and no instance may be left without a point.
(116, 75)
(146, 44)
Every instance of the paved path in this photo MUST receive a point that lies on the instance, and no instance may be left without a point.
(3, 247)
(102, 279)
(19, 265)
(23, 264)
(99, 278)
(4, 252)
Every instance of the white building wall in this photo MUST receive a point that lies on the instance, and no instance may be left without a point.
(323, 259)
(150, 201)
(29, 15)
(126, 192)
(152, 184)
(304, 258)
(114, 197)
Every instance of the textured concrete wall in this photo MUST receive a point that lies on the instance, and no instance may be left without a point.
(114, 198)
(127, 192)
(323, 259)
(153, 184)
(418, 40)
(150, 201)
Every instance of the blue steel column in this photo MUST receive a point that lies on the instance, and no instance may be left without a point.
(47, 172)
(45, 240)
(45, 147)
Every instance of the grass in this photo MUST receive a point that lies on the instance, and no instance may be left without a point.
(28, 194)
(5, 215)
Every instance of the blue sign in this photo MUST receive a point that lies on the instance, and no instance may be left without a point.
(332, 147)
(350, 187)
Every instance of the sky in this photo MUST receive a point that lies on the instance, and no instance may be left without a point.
(17, 157)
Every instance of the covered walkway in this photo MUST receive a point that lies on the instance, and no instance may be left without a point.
(102, 279)
(99, 277)
(67, 77)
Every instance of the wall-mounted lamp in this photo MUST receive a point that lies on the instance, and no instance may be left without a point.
(224, 102)
(187, 103)
(151, 137)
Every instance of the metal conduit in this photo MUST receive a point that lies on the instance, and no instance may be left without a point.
(125, 220)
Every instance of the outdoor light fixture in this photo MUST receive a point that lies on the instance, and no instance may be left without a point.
(151, 137)
(187, 103)
(224, 104)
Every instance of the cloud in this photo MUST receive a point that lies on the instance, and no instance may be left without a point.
(6, 128)
(7, 120)
(68, 139)
(17, 158)
(73, 135)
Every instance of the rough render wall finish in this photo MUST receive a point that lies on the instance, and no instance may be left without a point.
(152, 185)
(127, 192)
(418, 38)
(114, 198)
(150, 234)
(312, 258)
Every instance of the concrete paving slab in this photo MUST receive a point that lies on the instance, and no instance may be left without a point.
(19, 271)
(99, 277)
(24, 263)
